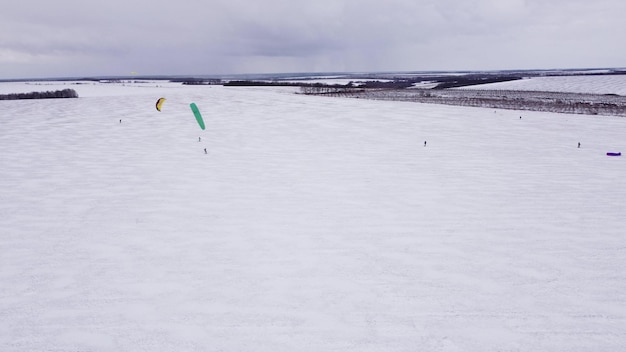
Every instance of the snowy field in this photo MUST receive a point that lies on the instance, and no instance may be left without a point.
(311, 224)
(600, 84)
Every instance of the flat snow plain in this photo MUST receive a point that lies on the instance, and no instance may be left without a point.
(311, 224)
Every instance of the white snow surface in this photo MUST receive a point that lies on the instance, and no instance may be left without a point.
(312, 224)
(594, 84)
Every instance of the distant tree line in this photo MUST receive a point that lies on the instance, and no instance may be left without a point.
(464, 81)
(329, 89)
(560, 102)
(198, 81)
(246, 83)
(442, 82)
(65, 93)
(353, 87)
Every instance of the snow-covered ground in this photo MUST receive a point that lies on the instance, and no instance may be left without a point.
(312, 224)
(600, 84)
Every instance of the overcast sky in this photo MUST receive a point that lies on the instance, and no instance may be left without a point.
(58, 38)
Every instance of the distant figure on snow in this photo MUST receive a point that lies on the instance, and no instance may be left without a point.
(520, 117)
(424, 143)
(205, 151)
(120, 120)
(199, 139)
(578, 144)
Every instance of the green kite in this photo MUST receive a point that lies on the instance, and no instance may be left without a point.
(196, 112)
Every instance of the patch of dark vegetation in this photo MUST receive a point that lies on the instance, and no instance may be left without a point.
(65, 93)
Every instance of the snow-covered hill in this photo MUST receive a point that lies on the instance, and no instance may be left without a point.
(311, 224)
(593, 84)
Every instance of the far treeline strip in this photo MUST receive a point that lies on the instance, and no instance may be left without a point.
(65, 93)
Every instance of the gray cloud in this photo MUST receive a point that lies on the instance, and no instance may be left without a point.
(71, 37)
